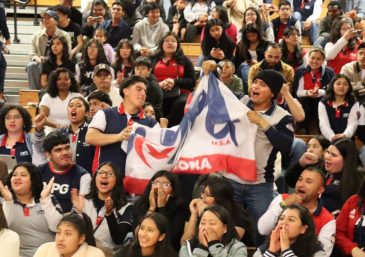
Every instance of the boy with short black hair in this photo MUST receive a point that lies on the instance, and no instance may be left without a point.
(143, 68)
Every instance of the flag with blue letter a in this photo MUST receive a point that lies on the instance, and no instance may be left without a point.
(214, 135)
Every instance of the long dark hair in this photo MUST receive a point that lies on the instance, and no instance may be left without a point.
(85, 61)
(35, 179)
(330, 92)
(65, 55)
(224, 216)
(162, 247)
(178, 55)
(298, 58)
(350, 179)
(307, 244)
(118, 59)
(209, 42)
(244, 44)
(175, 201)
(104, 5)
(27, 119)
(118, 196)
(258, 22)
(223, 15)
(52, 89)
(223, 192)
(335, 33)
(82, 223)
(3, 223)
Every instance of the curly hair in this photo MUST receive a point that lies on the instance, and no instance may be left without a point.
(330, 92)
(65, 55)
(118, 196)
(52, 88)
(307, 244)
(27, 119)
(35, 179)
(179, 53)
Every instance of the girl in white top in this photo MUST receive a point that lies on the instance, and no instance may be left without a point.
(61, 88)
(74, 238)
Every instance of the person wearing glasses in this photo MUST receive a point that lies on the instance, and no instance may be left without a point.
(106, 204)
(163, 195)
(218, 191)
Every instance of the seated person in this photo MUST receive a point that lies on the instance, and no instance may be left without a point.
(148, 32)
(308, 189)
(143, 68)
(229, 78)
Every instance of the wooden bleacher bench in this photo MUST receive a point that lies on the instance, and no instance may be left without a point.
(28, 96)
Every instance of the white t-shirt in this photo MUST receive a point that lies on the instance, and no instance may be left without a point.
(57, 107)
(115, 96)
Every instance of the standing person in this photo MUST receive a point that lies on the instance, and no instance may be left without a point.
(3, 49)
(148, 32)
(109, 127)
(293, 235)
(275, 133)
(342, 46)
(41, 46)
(106, 204)
(74, 238)
(215, 236)
(338, 111)
(9, 239)
(151, 239)
(116, 27)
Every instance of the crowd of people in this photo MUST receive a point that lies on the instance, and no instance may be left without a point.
(100, 70)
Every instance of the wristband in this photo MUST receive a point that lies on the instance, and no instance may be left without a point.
(282, 205)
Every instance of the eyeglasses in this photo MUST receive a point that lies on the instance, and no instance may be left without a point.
(250, 14)
(164, 185)
(102, 173)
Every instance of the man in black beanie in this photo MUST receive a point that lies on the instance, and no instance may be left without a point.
(274, 134)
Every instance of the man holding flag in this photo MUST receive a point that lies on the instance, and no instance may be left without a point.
(274, 133)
